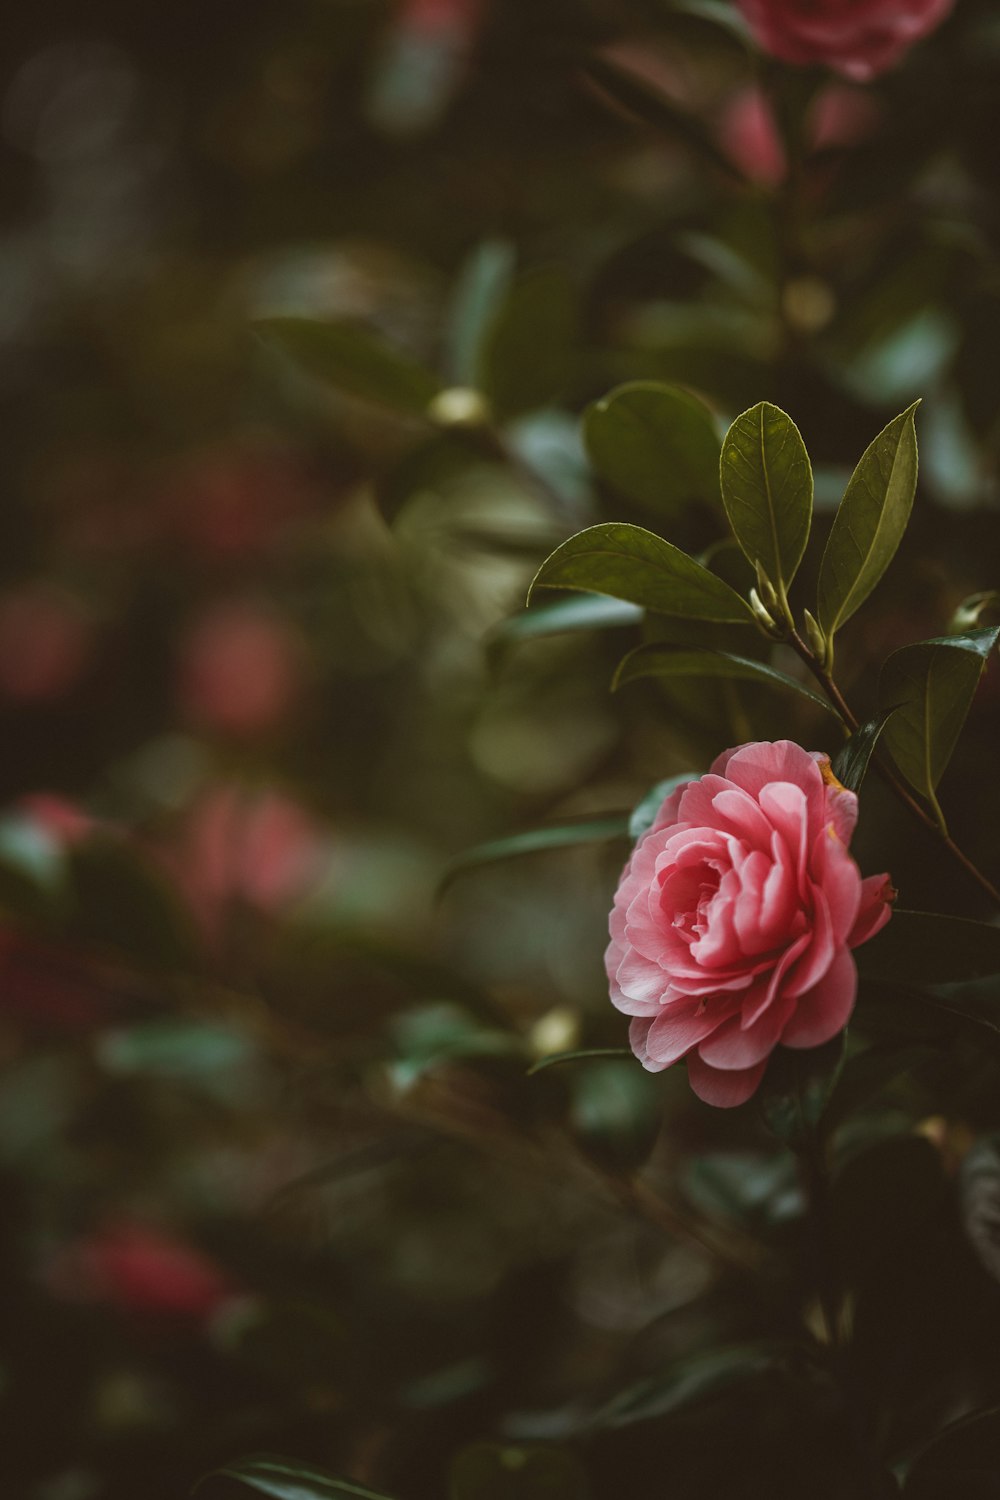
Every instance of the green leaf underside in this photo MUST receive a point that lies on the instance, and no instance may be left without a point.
(869, 523)
(918, 947)
(767, 490)
(631, 563)
(850, 765)
(657, 660)
(931, 686)
(590, 613)
(352, 359)
(285, 1479)
(655, 444)
(584, 1054)
(536, 841)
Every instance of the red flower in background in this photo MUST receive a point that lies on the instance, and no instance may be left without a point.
(241, 668)
(859, 38)
(46, 640)
(140, 1271)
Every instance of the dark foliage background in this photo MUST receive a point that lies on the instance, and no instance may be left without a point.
(274, 1176)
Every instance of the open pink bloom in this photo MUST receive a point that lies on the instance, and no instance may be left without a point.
(734, 919)
(858, 38)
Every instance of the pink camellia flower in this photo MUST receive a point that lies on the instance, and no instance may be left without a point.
(734, 919)
(140, 1271)
(858, 38)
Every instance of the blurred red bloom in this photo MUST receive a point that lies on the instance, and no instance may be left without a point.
(240, 668)
(140, 1271)
(233, 502)
(859, 38)
(750, 137)
(45, 642)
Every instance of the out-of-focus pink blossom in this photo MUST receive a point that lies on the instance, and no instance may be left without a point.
(63, 821)
(858, 38)
(140, 1271)
(46, 642)
(235, 502)
(734, 919)
(842, 116)
(241, 669)
(750, 137)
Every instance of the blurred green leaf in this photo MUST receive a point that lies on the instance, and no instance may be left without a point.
(979, 1193)
(657, 660)
(850, 765)
(922, 947)
(645, 811)
(650, 105)
(434, 1034)
(655, 444)
(121, 901)
(931, 686)
(962, 1462)
(631, 563)
(352, 359)
(796, 1089)
(592, 613)
(869, 523)
(767, 489)
(207, 1055)
(526, 351)
(287, 1479)
(489, 1471)
(693, 1379)
(615, 1112)
(483, 282)
(535, 841)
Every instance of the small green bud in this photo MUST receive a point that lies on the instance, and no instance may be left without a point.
(769, 626)
(817, 640)
(766, 590)
(459, 406)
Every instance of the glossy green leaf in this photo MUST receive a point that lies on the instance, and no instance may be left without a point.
(962, 1462)
(656, 660)
(851, 763)
(767, 489)
(482, 284)
(580, 1054)
(353, 360)
(526, 353)
(931, 686)
(633, 564)
(869, 523)
(656, 444)
(491, 1471)
(535, 841)
(645, 811)
(796, 1089)
(592, 612)
(287, 1479)
(920, 947)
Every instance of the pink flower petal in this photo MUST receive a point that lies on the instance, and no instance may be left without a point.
(824, 1010)
(726, 1089)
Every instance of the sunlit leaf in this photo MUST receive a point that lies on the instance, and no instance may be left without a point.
(767, 489)
(286, 1479)
(931, 686)
(869, 523)
(851, 763)
(526, 350)
(657, 660)
(536, 841)
(631, 563)
(656, 444)
(353, 360)
(920, 947)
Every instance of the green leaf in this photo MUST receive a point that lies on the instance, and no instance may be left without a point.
(644, 812)
(352, 359)
(931, 686)
(657, 660)
(979, 1195)
(655, 444)
(535, 841)
(483, 283)
(869, 523)
(921, 947)
(850, 765)
(960, 1463)
(633, 564)
(581, 1054)
(767, 489)
(693, 1379)
(655, 108)
(526, 353)
(286, 1479)
(489, 1471)
(590, 613)
(796, 1089)
(615, 1113)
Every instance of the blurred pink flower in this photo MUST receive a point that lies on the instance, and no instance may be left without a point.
(140, 1271)
(842, 116)
(858, 38)
(734, 919)
(241, 668)
(749, 135)
(234, 502)
(46, 641)
(63, 821)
